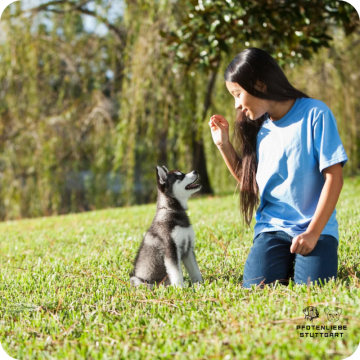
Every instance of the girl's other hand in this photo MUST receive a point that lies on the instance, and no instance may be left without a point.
(219, 130)
(304, 243)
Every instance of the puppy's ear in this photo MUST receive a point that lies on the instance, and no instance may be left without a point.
(166, 170)
(161, 175)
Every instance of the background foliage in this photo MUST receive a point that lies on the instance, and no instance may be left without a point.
(85, 115)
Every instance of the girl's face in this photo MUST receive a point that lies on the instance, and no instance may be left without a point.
(252, 106)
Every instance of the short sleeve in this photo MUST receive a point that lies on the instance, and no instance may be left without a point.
(328, 148)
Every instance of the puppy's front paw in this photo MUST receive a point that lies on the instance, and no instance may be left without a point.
(135, 281)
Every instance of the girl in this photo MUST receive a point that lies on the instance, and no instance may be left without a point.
(292, 156)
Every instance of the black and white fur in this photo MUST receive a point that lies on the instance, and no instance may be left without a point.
(170, 238)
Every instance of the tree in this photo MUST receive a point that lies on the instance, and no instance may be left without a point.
(56, 117)
(289, 30)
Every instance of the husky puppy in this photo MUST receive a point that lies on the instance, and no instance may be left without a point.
(170, 238)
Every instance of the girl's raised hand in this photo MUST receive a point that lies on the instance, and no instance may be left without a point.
(219, 130)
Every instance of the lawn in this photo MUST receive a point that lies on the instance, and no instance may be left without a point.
(64, 291)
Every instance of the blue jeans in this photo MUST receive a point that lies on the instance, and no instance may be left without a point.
(270, 259)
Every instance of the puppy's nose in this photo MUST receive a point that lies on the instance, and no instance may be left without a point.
(194, 172)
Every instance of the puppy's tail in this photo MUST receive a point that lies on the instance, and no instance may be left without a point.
(135, 281)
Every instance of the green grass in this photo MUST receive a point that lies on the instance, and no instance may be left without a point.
(64, 291)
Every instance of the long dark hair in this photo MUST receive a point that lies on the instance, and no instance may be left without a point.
(249, 67)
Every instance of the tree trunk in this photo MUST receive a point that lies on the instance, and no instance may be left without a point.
(199, 160)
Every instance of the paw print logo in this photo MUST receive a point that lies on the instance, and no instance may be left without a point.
(311, 312)
(333, 315)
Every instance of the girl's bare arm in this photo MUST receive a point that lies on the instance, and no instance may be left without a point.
(303, 244)
(220, 134)
(231, 158)
(328, 198)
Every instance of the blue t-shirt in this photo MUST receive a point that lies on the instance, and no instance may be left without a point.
(291, 154)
